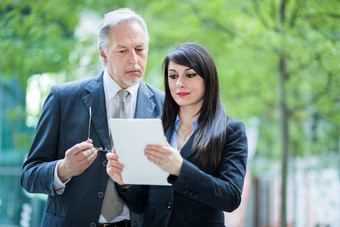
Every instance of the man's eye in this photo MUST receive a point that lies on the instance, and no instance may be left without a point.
(121, 51)
(191, 75)
(173, 76)
(139, 50)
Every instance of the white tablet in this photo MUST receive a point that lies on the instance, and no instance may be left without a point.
(130, 136)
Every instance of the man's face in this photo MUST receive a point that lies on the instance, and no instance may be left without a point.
(127, 54)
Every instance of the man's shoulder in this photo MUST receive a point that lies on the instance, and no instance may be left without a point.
(75, 86)
(154, 90)
(72, 84)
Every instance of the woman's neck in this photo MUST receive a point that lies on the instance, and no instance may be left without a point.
(187, 117)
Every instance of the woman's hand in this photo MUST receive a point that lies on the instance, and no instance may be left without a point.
(166, 157)
(114, 168)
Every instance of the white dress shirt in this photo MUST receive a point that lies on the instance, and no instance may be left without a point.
(112, 102)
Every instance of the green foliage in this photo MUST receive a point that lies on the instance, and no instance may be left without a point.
(37, 37)
(246, 39)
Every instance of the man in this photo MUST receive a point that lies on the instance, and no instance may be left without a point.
(62, 161)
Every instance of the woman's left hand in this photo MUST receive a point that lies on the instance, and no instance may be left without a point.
(166, 157)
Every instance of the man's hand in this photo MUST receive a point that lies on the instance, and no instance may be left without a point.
(77, 159)
(114, 168)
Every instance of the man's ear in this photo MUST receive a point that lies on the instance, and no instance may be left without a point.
(102, 54)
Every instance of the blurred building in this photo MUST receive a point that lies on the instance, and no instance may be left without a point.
(16, 207)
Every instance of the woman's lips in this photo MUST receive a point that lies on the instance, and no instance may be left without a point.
(182, 94)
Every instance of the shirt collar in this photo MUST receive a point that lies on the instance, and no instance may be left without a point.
(111, 87)
(178, 122)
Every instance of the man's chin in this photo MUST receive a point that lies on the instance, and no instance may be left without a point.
(133, 81)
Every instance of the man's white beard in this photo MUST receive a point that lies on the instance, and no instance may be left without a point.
(130, 83)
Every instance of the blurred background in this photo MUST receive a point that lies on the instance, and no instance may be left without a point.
(279, 68)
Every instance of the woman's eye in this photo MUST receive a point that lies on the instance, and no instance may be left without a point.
(191, 75)
(173, 76)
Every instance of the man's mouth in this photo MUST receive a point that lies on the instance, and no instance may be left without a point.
(133, 71)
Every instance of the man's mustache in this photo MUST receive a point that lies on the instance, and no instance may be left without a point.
(133, 68)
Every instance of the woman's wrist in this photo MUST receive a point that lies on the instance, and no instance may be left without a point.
(124, 187)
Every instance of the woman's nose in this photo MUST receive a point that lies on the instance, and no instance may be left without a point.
(179, 82)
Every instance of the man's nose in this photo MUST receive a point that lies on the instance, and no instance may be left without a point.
(133, 57)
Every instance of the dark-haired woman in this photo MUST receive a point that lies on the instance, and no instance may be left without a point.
(207, 151)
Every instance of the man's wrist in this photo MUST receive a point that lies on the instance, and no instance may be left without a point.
(60, 171)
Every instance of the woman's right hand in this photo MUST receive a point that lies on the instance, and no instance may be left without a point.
(114, 168)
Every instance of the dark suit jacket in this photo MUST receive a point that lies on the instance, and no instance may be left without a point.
(198, 195)
(64, 123)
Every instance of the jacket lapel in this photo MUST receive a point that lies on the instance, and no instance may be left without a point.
(187, 150)
(145, 105)
(95, 98)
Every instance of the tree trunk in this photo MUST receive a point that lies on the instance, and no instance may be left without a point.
(284, 139)
(284, 120)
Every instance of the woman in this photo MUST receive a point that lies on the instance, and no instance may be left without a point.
(207, 154)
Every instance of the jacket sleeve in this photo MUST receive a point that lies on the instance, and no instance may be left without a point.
(135, 197)
(38, 169)
(223, 191)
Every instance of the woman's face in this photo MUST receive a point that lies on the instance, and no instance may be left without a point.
(186, 86)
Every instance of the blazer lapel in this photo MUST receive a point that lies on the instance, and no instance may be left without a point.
(187, 150)
(145, 105)
(95, 98)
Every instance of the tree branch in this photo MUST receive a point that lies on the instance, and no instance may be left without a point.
(320, 94)
(209, 20)
(295, 13)
(259, 14)
(327, 14)
(273, 14)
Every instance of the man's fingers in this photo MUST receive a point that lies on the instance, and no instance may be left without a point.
(76, 149)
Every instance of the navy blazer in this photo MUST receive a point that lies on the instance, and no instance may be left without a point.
(198, 196)
(64, 123)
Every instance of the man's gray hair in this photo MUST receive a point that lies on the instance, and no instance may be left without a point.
(113, 18)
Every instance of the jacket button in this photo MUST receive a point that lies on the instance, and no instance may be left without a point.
(100, 194)
(93, 224)
(104, 162)
(194, 196)
(170, 205)
(186, 191)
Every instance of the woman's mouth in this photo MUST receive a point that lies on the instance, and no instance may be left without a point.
(182, 94)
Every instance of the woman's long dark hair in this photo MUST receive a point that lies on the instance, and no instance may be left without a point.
(212, 122)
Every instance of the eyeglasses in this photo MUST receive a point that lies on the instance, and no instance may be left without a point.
(105, 150)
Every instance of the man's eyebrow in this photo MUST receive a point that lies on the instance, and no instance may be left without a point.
(121, 46)
(125, 47)
(141, 45)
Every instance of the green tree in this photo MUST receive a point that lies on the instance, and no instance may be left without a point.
(308, 45)
(36, 37)
(277, 60)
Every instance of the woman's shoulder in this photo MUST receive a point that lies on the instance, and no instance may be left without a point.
(234, 125)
